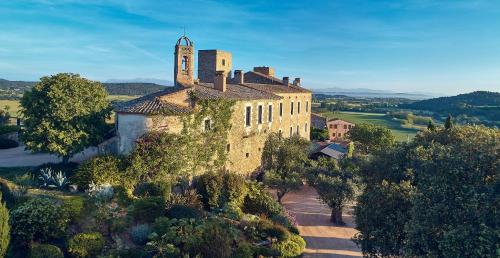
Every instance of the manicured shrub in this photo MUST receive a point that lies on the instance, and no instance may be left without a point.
(210, 186)
(45, 251)
(36, 220)
(140, 233)
(72, 207)
(8, 143)
(106, 169)
(86, 245)
(4, 227)
(148, 209)
(182, 211)
(153, 189)
(235, 188)
(292, 247)
(219, 188)
(273, 230)
(287, 221)
(216, 240)
(258, 202)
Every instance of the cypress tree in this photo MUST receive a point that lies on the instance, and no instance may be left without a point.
(449, 122)
(4, 228)
(431, 126)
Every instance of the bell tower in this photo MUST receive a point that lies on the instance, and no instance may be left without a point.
(184, 62)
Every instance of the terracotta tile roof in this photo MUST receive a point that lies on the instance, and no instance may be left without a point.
(234, 92)
(275, 88)
(153, 104)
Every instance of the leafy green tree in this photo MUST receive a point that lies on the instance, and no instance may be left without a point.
(284, 161)
(319, 134)
(457, 176)
(434, 197)
(64, 114)
(448, 124)
(371, 137)
(4, 227)
(335, 186)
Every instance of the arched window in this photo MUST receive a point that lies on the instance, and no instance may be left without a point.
(184, 63)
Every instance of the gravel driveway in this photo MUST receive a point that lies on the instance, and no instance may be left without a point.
(18, 157)
(323, 238)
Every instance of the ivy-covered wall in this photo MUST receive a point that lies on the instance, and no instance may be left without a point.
(229, 143)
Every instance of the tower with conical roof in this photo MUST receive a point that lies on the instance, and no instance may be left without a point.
(184, 62)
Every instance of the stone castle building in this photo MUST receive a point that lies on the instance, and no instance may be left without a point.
(263, 104)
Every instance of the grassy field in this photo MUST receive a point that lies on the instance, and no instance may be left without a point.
(401, 133)
(12, 104)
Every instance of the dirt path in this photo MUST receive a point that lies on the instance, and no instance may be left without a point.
(322, 237)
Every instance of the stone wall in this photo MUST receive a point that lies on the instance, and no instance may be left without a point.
(210, 61)
(245, 144)
(132, 126)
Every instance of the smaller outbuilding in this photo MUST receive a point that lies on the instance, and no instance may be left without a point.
(334, 150)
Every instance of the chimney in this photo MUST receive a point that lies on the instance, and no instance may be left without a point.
(220, 81)
(239, 77)
(296, 82)
(286, 81)
(264, 70)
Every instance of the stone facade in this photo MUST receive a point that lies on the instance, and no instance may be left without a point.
(211, 61)
(318, 122)
(272, 107)
(337, 129)
(184, 61)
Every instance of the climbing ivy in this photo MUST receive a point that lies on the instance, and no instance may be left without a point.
(161, 155)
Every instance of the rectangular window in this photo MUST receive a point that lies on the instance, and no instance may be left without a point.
(298, 107)
(208, 125)
(228, 147)
(291, 131)
(291, 108)
(260, 115)
(307, 106)
(281, 109)
(270, 113)
(298, 132)
(305, 128)
(248, 116)
(345, 126)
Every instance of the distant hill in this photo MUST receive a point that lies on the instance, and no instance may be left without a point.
(370, 93)
(132, 89)
(482, 104)
(142, 80)
(14, 89)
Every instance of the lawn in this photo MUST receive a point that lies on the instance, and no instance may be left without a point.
(400, 132)
(12, 104)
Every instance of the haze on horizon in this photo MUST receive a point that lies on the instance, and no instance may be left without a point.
(442, 47)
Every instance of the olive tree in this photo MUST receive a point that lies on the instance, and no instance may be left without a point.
(335, 185)
(284, 161)
(64, 114)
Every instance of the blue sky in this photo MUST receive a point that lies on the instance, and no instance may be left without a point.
(443, 47)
